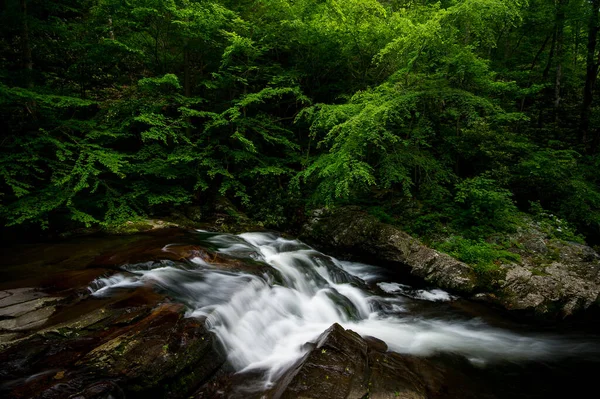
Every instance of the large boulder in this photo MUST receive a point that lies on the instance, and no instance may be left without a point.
(554, 278)
(343, 364)
(351, 233)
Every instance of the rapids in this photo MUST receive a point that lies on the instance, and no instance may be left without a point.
(264, 321)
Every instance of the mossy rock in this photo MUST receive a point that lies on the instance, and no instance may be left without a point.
(139, 226)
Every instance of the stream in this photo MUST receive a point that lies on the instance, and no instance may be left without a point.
(264, 321)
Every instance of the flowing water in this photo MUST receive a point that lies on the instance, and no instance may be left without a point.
(264, 321)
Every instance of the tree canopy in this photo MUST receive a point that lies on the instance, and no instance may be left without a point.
(446, 117)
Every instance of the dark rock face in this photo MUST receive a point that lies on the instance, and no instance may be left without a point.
(150, 355)
(58, 343)
(348, 231)
(344, 365)
(336, 368)
(563, 286)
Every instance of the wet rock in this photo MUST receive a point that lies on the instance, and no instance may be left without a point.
(8, 337)
(336, 368)
(394, 376)
(345, 365)
(554, 278)
(161, 354)
(19, 295)
(558, 289)
(352, 233)
(150, 354)
(158, 250)
(375, 344)
(28, 311)
(71, 282)
(29, 320)
(101, 390)
(133, 344)
(22, 308)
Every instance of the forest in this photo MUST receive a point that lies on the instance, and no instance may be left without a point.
(456, 120)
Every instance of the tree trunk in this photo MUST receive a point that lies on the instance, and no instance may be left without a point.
(550, 57)
(560, 27)
(26, 47)
(533, 64)
(187, 78)
(591, 73)
(187, 82)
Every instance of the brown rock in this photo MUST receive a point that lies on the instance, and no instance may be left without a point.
(344, 365)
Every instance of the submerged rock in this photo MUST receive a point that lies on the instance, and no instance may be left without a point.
(554, 278)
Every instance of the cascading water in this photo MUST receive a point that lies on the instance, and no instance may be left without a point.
(264, 321)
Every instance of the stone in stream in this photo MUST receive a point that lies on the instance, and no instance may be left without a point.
(162, 353)
(57, 341)
(351, 233)
(345, 365)
(24, 309)
(337, 367)
(16, 296)
(342, 364)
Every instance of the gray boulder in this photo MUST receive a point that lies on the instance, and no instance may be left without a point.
(554, 278)
(351, 233)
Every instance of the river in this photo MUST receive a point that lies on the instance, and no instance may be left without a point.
(263, 321)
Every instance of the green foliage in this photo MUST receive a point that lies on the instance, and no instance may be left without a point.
(381, 214)
(563, 182)
(553, 226)
(447, 117)
(485, 205)
(482, 256)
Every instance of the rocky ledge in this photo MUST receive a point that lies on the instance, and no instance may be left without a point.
(68, 345)
(564, 284)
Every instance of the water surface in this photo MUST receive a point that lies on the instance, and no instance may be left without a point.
(264, 320)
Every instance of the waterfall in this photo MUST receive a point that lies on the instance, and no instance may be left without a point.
(264, 321)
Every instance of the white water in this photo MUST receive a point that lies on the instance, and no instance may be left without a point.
(264, 322)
